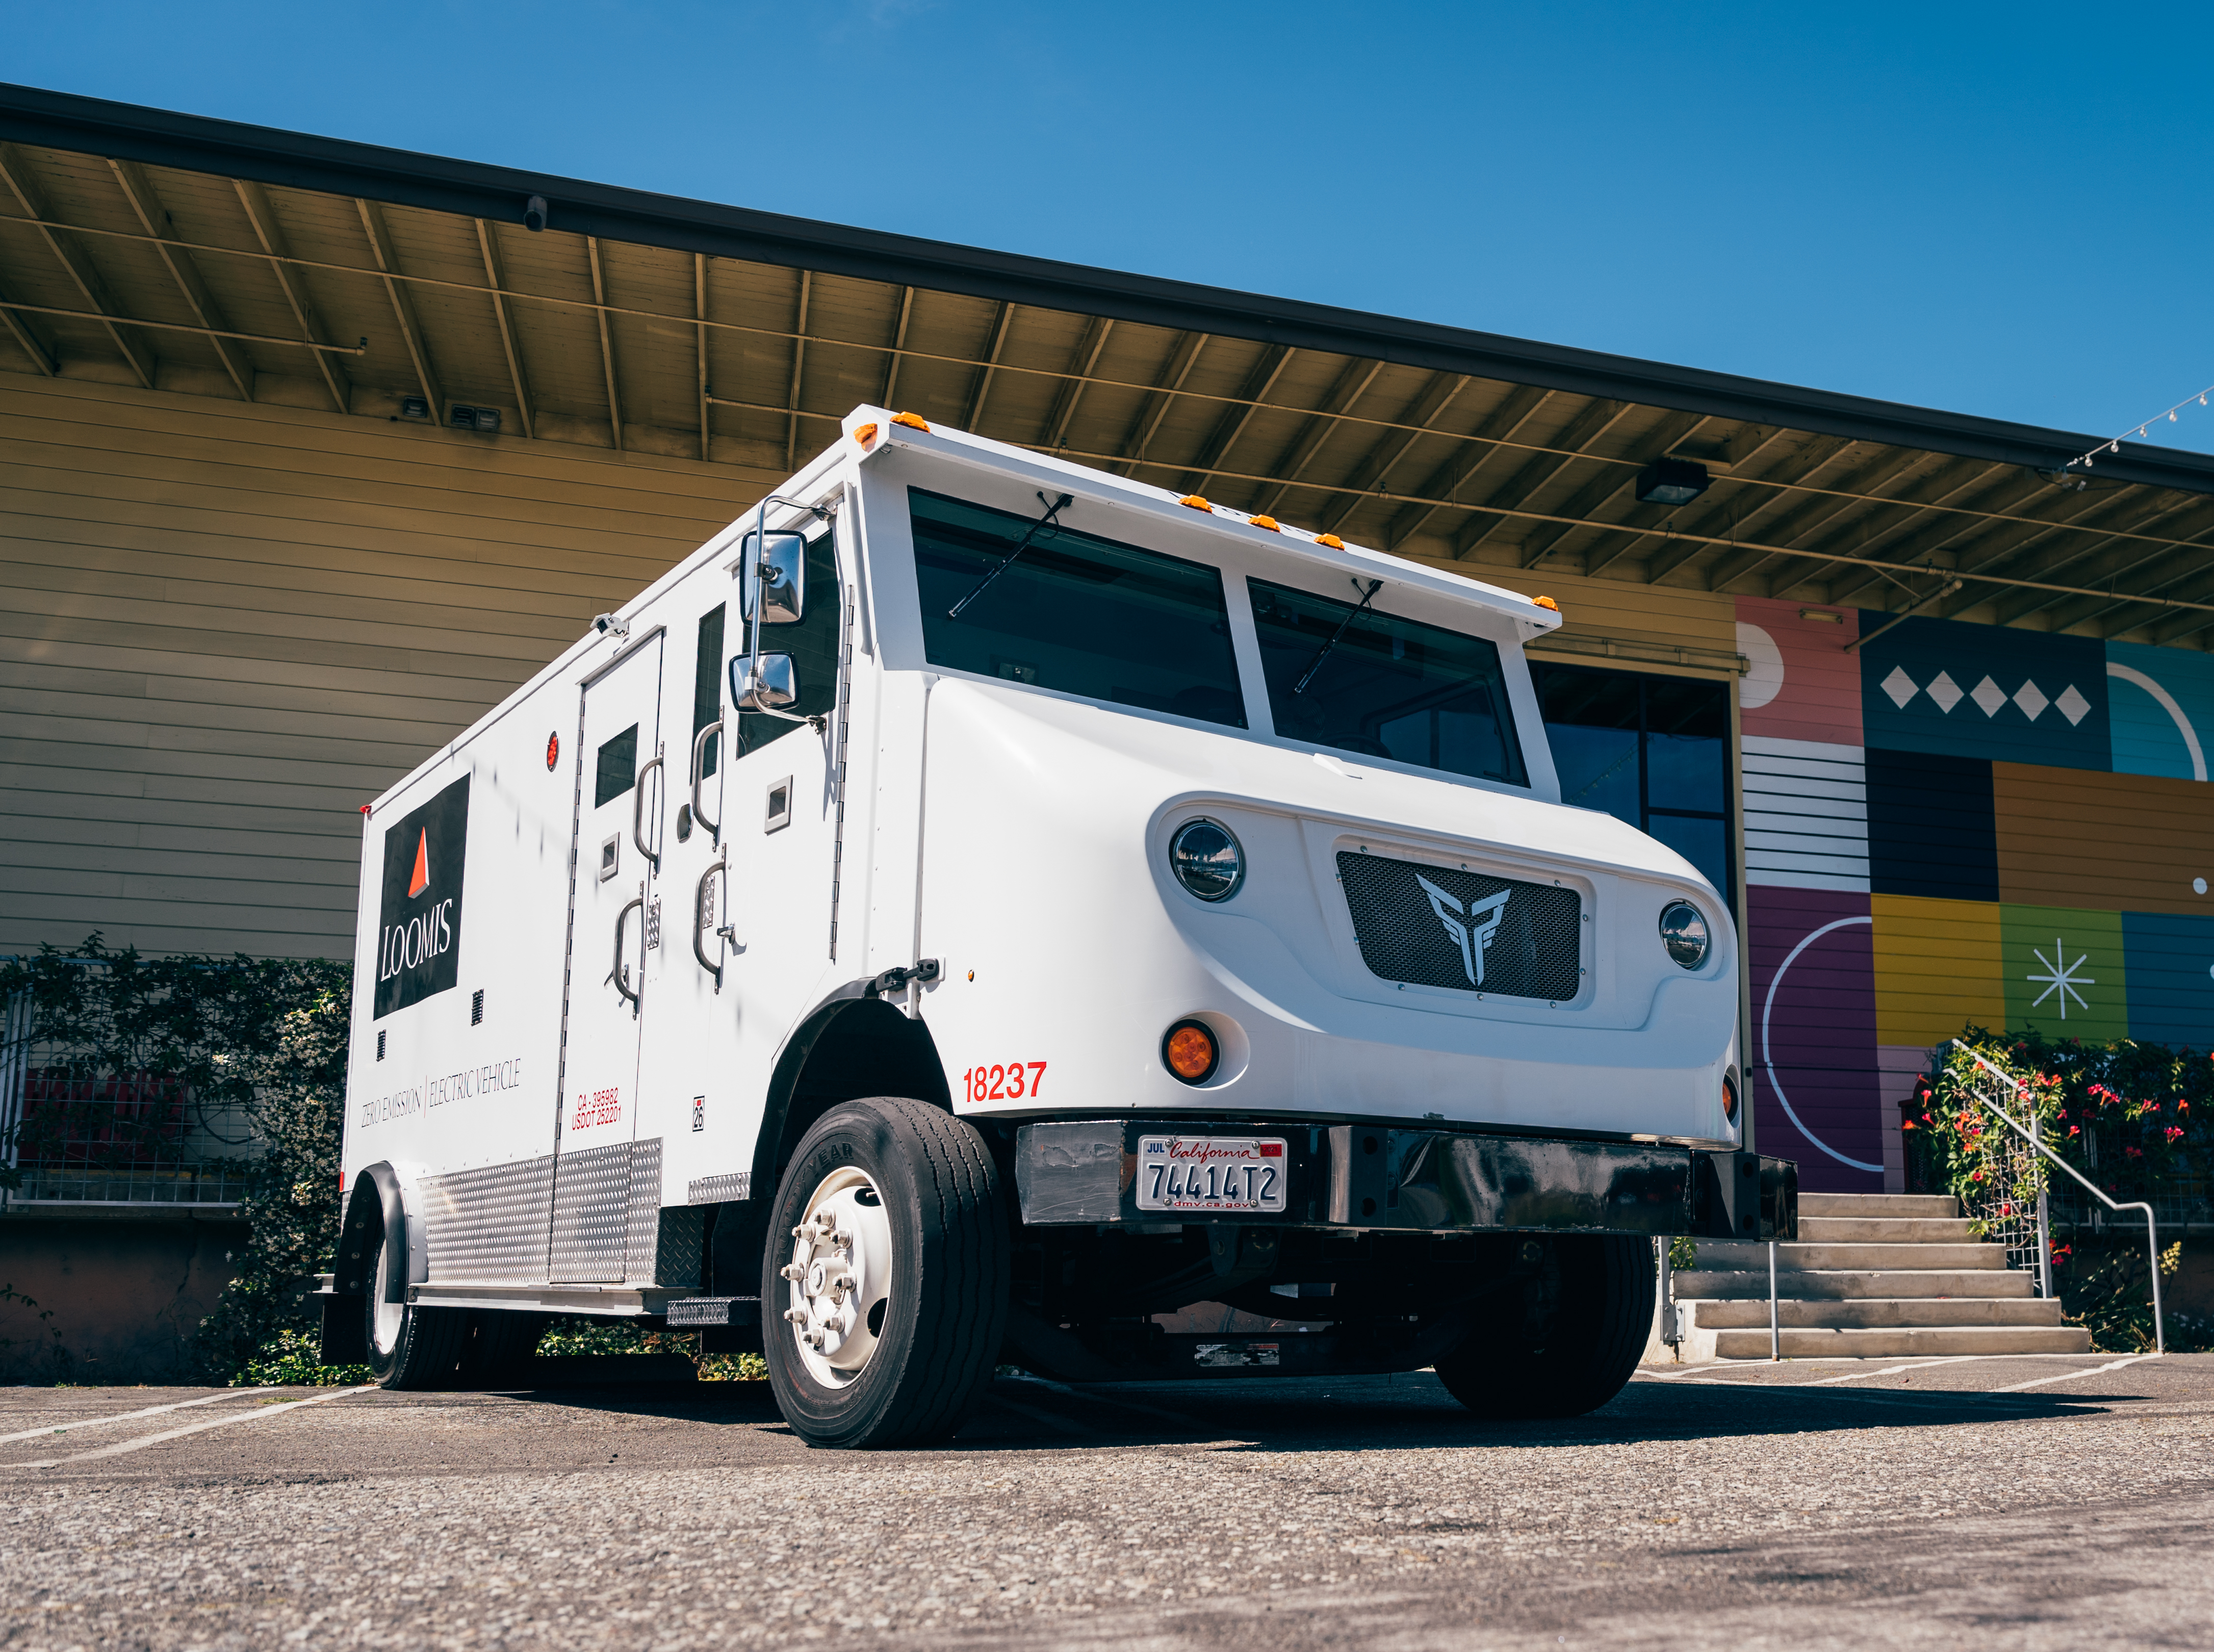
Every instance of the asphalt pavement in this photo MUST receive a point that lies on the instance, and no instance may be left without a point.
(2043, 1502)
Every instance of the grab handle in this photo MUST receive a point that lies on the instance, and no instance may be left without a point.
(700, 914)
(699, 777)
(637, 811)
(620, 973)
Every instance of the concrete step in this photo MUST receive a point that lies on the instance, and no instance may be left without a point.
(1891, 1342)
(1886, 1230)
(1736, 1255)
(1904, 1283)
(1939, 1205)
(1880, 1313)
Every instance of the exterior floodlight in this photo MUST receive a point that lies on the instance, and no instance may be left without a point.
(1671, 482)
(533, 214)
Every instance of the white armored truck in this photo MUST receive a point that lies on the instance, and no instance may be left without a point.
(976, 906)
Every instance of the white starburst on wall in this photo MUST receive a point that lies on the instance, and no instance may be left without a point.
(2062, 976)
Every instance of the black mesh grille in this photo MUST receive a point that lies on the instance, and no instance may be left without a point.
(1459, 933)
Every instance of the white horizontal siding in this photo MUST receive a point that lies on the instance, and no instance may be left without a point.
(1806, 814)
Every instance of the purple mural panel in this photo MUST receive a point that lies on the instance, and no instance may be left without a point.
(1816, 1084)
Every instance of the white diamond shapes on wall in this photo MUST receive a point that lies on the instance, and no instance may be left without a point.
(2072, 705)
(1945, 691)
(1989, 695)
(1900, 686)
(2031, 700)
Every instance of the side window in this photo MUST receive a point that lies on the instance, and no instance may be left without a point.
(1358, 680)
(707, 684)
(1069, 610)
(812, 644)
(616, 770)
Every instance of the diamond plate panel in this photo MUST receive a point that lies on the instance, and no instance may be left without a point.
(1434, 926)
(681, 1250)
(717, 1190)
(644, 1227)
(591, 1216)
(490, 1223)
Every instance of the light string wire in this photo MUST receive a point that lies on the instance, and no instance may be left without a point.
(2114, 444)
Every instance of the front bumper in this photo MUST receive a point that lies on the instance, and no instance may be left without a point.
(1084, 1172)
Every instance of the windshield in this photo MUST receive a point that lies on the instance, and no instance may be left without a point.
(1386, 687)
(1074, 612)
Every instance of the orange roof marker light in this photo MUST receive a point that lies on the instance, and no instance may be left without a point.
(1197, 503)
(1546, 601)
(866, 434)
(1330, 539)
(1269, 522)
(912, 421)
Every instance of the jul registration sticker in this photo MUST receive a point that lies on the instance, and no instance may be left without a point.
(1211, 1173)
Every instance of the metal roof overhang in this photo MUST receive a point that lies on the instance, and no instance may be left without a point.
(1431, 440)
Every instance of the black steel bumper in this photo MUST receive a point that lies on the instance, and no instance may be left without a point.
(1084, 1172)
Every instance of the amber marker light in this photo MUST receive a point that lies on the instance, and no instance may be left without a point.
(1189, 1052)
(1195, 502)
(912, 421)
(1546, 601)
(867, 434)
(1729, 1101)
(1269, 522)
(1330, 539)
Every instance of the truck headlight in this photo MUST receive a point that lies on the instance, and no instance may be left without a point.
(1206, 860)
(1684, 933)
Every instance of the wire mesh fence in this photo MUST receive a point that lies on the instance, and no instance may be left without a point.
(2009, 1202)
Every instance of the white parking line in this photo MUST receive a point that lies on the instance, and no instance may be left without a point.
(1893, 1370)
(2065, 1376)
(125, 1416)
(144, 1440)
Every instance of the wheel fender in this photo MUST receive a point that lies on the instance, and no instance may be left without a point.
(837, 1016)
(383, 1194)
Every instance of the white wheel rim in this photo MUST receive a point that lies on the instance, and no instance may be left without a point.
(389, 1313)
(839, 1277)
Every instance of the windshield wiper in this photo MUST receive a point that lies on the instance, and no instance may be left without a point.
(1021, 545)
(1322, 652)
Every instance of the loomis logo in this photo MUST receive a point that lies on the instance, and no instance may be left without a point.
(420, 920)
(1471, 930)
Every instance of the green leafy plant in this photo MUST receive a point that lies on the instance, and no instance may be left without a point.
(292, 1358)
(21, 1357)
(596, 1336)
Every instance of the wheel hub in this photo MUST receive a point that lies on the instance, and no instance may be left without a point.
(840, 1276)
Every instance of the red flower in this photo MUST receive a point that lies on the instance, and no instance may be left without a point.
(1976, 1177)
(1908, 1124)
(2075, 1129)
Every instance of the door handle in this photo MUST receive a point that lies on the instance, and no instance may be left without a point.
(620, 973)
(698, 778)
(637, 810)
(700, 915)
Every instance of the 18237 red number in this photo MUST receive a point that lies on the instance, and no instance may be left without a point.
(1004, 1081)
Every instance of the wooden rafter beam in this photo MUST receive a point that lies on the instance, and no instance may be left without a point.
(1082, 360)
(607, 338)
(1352, 384)
(699, 347)
(496, 278)
(1431, 402)
(31, 337)
(403, 305)
(145, 204)
(1215, 451)
(83, 274)
(1000, 324)
(253, 200)
(798, 371)
(894, 356)
(1591, 422)
(1161, 398)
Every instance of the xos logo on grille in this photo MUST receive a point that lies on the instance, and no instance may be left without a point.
(420, 919)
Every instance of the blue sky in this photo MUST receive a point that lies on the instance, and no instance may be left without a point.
(1993, 209)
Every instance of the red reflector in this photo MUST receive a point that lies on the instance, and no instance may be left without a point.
(1272, 1150)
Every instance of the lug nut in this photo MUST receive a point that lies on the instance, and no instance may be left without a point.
(796, 1316)
(792, 1271)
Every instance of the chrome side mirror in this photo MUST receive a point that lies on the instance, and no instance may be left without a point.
(782, 564)
(770, 685)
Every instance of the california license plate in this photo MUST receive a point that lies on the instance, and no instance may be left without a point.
(1211, 1173)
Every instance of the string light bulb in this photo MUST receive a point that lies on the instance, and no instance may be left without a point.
(2113, 444)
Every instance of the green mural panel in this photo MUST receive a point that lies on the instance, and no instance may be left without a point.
(2063, 971)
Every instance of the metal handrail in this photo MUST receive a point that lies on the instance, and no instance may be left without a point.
(2152, 1232)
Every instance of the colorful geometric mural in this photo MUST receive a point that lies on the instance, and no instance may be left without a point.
(1959, 823)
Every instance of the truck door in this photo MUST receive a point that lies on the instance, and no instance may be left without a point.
(614, 918)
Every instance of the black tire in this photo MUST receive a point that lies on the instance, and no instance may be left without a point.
(938, 1334)
(495, 1342)
(418, 1346)
(1585, 1318)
